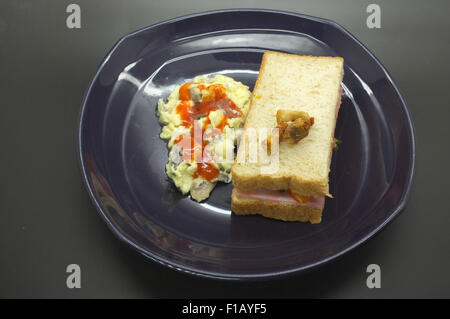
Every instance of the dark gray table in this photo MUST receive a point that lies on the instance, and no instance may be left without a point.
(47, 219)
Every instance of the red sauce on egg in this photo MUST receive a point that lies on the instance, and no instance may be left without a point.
(213, 99)
(206, 171)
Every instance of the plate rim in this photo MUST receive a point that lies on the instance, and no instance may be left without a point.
(259, 276)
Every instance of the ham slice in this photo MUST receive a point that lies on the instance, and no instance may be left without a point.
(280, 197)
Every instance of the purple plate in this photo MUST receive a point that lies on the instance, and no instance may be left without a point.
(123, 159)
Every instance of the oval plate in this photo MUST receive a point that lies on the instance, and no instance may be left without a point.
(123, 159)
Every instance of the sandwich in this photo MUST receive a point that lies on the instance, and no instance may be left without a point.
(295, 101)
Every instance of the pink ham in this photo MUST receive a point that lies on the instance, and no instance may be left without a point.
(280, 197)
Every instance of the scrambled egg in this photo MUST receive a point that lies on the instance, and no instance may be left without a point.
(214, 106)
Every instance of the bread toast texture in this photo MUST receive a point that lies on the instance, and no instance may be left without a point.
(292, 82)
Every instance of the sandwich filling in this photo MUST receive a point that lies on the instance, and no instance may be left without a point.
(279, 197)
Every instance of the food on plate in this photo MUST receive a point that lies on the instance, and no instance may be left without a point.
(201, 122)
(298, 99)
(292, 126)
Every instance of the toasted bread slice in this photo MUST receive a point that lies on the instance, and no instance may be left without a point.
(292, 82)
